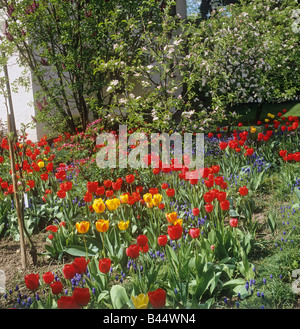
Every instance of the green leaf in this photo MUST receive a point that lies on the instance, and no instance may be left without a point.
(118, 296)
(103, 295)
(271, 222)
(1, 227)
(297, 192)
(241, 289)
(79, 251)
(235, 282)
(233, 213)
(259, 180)
(171, 254)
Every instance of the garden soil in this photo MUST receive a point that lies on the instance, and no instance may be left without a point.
(10, 261)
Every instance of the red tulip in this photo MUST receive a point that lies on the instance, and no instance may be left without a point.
(133, 251)
(116, 185)
(67, 186)
(209, 183)
(153, 190)
(104, 265)
(144, 249)
(243, 190)
(282, 153)
(164, 186)
(32, 281)
(92, 187)
(170, 192)
(196, 211)
(223, 145)
(49, 166)
(82, 296)
(52, 228)
(204, 172)
(69, 271)
(162, 240)
(44, 177)
(56, 287)
(142, 240)
(209, 207)
(107, 183)
(109, 193)
(31, 183)
(194, 232)
(80, 265)
(215, 169)
(157, 298)
(221, 196)
(208, 197)
(139, 189)
(61, 194)
(225, 205)
(175, 232)
(161, 206)
(100, 190)
(130, 179)
(48, 277)
(88, 197)
(233, 222)
(67, 302)
(249, 151)
(219, 180)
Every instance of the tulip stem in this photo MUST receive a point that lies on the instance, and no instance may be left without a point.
(85, 247)
(102, 238)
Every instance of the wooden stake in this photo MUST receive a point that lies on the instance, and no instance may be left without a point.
(17, 201)
(11, 142)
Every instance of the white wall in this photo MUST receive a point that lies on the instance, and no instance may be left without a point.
(22, 100)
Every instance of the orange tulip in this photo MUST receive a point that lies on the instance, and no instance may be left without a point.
(171, 217)
(102, 225)
(82, 227)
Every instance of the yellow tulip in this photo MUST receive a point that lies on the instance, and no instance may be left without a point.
(147, 197)
(123, 225)
(82, 227)
(178, 222)
(271, 115)
(124, 198)
(253, 130)
(113, 204)
(41, 164)
(141, 301)
(102, 225)
(150, 204)
(171, 217)
(157, 199)
(98, 205)
(267, 120)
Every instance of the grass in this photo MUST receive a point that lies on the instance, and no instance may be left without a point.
(276, 255)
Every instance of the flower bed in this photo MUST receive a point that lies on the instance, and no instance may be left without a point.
(152, 237)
